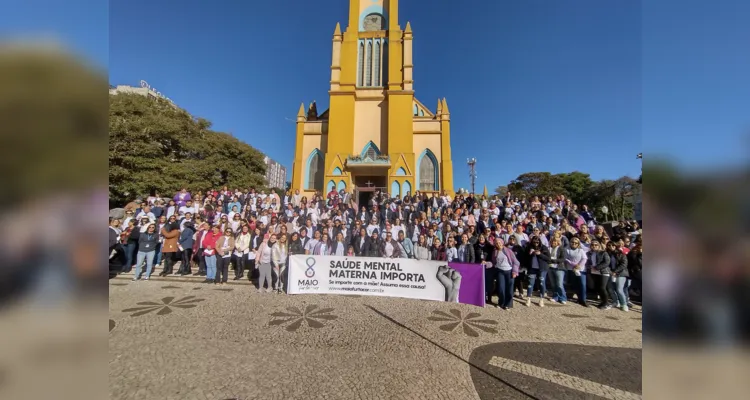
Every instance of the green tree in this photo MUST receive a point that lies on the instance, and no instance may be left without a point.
(155, 146)
(501, 191)
(576, 185)
(52, 126)
(536, 184)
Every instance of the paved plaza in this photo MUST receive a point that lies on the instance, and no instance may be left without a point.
(176, 338)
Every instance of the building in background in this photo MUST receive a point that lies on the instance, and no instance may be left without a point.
(144, 90)
(376, 134)
(275, 174)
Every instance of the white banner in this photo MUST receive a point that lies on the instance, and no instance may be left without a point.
(396, 277)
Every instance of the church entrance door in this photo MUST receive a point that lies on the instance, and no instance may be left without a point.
(365, 188)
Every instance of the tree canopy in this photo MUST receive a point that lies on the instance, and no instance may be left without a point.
(617, 195)
(155, 146)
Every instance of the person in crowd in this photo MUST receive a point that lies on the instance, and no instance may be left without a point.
(504, 269)
(241, 251)
(263, 258)
(558, 270)
(635, 265)
(390, 248)
(199, 247)
(210, 253)
(618, 266)
(575, 261)
(465, 250)
(598, 266)
(372, 246)
(279, 257)
(129, 238)
(146, 250)
(539, 259)
(422, 249)
(185, 244)
(224, 248)
(405, 244)
(169, 249)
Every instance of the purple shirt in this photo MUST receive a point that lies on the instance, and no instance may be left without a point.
(181, 198)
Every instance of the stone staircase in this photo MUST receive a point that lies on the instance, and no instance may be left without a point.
(186, 278)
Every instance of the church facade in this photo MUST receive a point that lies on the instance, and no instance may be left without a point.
(376, 134)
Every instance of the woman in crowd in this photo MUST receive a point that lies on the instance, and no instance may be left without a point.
(185, 245)
(279, 257)
(575, 261)
(538, 264)
(169, 249)
(130, 241)
(505, 270)
(210, 253)
(146, 250)
(558, 270)
(421, 250)
(618, 266)
(264, 258)
(598, 266)
(295, 246)
(224, 248)
(241, 251)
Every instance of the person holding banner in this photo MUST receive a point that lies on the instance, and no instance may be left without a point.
(421, 250)
(390, 248)
(504, 267)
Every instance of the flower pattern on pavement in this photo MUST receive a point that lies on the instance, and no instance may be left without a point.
(467, 322)
(164, 307)
(314, 317)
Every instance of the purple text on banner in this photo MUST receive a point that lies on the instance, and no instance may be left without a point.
(472, 283)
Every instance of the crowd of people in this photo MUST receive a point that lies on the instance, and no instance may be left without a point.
(520, 241)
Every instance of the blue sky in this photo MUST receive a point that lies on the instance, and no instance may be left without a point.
(532, 85)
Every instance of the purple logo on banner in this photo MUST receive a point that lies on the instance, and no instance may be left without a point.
(472, 283)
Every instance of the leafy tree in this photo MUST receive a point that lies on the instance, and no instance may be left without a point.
(501, 191)
(155, 146)
(617, 195)
(53, 119)
(536, 184)
(576, 186)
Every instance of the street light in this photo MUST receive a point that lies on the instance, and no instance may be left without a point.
(472, 162)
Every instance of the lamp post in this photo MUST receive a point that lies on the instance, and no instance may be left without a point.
(472, 162)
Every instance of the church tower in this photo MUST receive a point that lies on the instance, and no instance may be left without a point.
(375, 134)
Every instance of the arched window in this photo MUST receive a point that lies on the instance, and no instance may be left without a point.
(376, 63)
(421, 112)
(330, 186)
(401, 172)
(406, 188)
(315, 167)
(337, 171)
(361, 74)
(427, 172)
(416, 110)
(368, 65)
(395, 189)
(370, 151)
(341, 186)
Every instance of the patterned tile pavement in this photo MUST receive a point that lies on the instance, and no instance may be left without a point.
(180, 339)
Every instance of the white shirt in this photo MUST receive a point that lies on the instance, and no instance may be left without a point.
(388, 249)
(310, 246)
(186, 209)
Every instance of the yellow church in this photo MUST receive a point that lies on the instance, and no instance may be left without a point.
(375, 134)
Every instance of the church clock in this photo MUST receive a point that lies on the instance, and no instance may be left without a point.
(374, 22)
